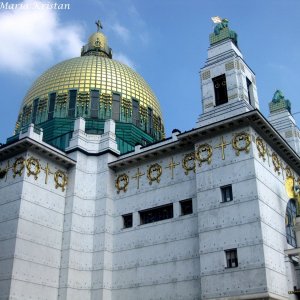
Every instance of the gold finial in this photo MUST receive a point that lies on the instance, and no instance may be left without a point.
(99, 25)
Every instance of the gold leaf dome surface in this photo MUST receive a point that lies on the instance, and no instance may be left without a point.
(93, 72)
(98, 39)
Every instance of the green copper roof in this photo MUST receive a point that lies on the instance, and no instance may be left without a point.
(222, 32)
(279, 102)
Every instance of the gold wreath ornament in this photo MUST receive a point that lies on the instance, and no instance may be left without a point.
(261, 147)
(61, 180)
(243, 138)
(288, 172)
(204, 153)
(276, 163)
(189, 163)
(154, 173)
(33, 167)
(18, 166)
(122, 182)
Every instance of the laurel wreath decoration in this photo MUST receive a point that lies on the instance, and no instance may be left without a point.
(204, 153)
(122, 182)
(276, 163)
(61, 179)
(288, 172)
(154, 172)
(189, 163)
(261, 147)
(18, 166)
(33, 167)
(241, 138)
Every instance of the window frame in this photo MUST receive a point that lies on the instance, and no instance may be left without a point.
(223, 193)
(124, 217)
(157, 217)
(95, 103)
(35, 105)
(219, 80)
(116, 106)
(182, 203)
(233, 255)
(51, 106)
(136, 118)
(72, 104)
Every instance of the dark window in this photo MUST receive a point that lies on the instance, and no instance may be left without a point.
(34, 111)
(226, 192)
(186, 207)
(159, 123)
(150, 120)
(52, 98)
(249, 89)
(116, 107)
(220, 89)
(127, 220)
(290, 216)
(135, 112)
(94, 103)
(156, 214)
(72, 103)
(23, 115)
(231, 258)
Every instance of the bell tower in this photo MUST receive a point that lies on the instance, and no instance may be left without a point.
(228, 84)
(282, 120)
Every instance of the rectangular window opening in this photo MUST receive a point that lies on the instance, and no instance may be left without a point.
(150, 120)
(156, 214)
(23, 115)
(226, 192)
(34, 111)
(231, 258)
(116, 99)
(94, 104)
(127, 220)
(220, 88)
(72, 103)
(52, 99)
(135, 113)
(186, 207)
(250, 90)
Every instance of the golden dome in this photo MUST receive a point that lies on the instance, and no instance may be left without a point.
(93, 72)
(95, 87)
(97, 39)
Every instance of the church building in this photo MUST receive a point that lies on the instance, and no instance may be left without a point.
(97, 203)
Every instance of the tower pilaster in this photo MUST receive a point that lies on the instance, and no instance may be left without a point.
(282, 120)
(228, 84)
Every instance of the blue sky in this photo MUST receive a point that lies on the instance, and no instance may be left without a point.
(165, 41)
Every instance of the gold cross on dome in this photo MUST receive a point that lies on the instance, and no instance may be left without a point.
(137, 176)
(99, 25)
(222, 145)
(172, 165)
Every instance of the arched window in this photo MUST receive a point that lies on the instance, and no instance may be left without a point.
(290, 217)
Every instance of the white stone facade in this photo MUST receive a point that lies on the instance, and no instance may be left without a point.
(72, 244)
(62, 230)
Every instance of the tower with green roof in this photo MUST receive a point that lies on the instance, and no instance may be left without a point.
(228, 84)
(283, 121)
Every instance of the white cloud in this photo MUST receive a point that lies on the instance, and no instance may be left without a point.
(121, 31)
(32, 36)
(121, 57)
